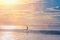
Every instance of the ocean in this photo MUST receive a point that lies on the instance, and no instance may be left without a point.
(15, 35)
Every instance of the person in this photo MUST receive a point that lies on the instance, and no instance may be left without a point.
(27, 27)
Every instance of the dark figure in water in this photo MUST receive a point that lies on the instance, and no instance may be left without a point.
(27, 27)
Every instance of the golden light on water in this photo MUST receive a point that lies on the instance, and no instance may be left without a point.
(7, 36)
(8, 27)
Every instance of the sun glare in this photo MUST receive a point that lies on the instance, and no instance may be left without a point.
(7, 36)
(9, 1)
(8, 27)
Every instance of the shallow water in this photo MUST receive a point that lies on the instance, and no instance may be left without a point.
(5, 35)
(11, 33)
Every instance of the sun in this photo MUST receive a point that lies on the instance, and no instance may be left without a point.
(9, 1)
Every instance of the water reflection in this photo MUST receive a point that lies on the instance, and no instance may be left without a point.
(7, 36)
(12, 34)
(7, 27)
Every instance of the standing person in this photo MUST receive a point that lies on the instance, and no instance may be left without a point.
(26, 28)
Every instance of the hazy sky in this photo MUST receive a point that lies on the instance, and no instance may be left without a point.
(28, 12)
(20, 12)
(54, 7)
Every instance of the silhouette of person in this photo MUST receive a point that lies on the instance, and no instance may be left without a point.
(27, 27)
